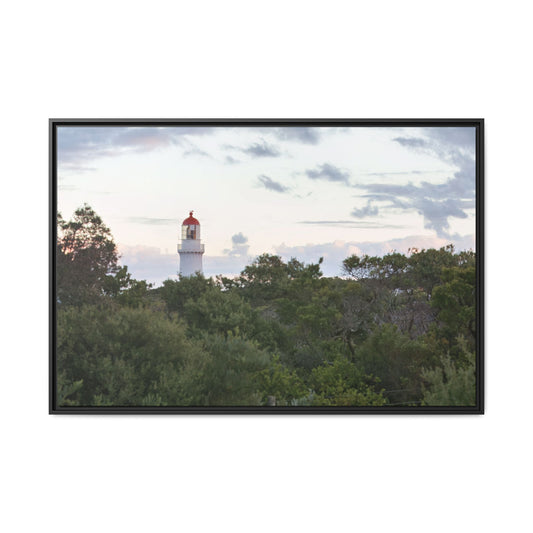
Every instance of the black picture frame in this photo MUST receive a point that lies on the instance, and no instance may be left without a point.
(478, 124)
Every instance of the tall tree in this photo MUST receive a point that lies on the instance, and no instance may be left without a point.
(86, 256)
(455, 300)
(451, 383)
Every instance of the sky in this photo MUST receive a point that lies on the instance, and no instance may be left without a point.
(304, 192)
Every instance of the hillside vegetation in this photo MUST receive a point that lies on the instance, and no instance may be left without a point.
(397, 330)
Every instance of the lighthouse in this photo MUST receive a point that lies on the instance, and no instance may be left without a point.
(191, 248)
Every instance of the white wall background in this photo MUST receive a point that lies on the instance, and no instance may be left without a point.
(272, 59)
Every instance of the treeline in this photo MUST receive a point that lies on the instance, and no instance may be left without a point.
(393, 331)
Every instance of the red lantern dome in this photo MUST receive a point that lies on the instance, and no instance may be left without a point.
(191, 221)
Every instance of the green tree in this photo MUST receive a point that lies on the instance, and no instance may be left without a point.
(229, 375)
(397, 360)
(427, 266)
(359, 312)
(120, 356)
(392, 266)
(269, 277)
(279, 330)
(342, 383)
(455, 302)
(450, 384)
(280, 384)
(221, 313)
(176, 293)
(86, 259)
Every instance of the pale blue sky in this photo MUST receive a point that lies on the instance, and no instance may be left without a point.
(303, 192)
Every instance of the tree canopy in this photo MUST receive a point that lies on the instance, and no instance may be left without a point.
(397, 330)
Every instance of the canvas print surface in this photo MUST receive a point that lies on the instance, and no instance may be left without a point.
(265, 266)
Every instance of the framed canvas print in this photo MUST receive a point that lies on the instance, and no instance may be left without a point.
(266, 266)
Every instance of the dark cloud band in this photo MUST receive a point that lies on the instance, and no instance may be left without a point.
(437, 203)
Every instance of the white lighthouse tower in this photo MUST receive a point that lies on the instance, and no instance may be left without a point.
(191, 248)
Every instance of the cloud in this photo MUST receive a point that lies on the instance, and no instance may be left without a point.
(411, 142)
(239, 238)
(335, 252)
(62, 186)
(350, 224)
(437, 203)
(148, 263)
(227, 265)
(78, 146)
(297, 133)
(262, 149)
(367, 211)
(153, 221)
(303, 134)
(78, 168)
(463, 138)
(402, 173)
(195, 151)
(328, 172)
(231, 161)
(143, 139)
(239, 246)
(255, 150)
(271, 184)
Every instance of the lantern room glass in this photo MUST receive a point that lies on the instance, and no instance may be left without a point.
(190, 231)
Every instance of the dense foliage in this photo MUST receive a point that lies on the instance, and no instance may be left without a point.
(397, 330)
